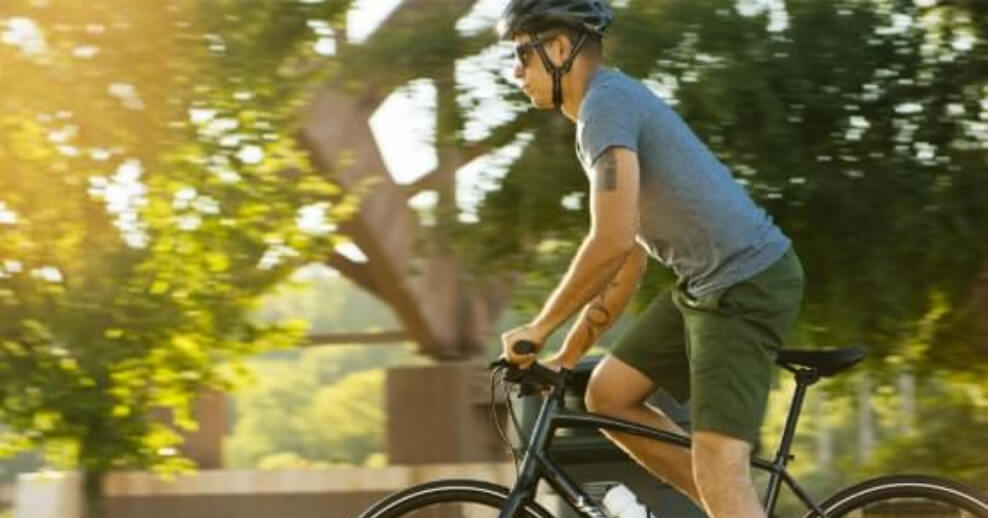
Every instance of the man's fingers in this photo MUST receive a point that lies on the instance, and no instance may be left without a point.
(524, 361)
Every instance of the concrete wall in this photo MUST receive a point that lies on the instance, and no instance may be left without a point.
(329, 493)
(48, 495)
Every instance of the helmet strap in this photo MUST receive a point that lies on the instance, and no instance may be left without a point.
(560, 71)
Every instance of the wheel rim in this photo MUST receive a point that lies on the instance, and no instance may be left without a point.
(453, 499)
(909, 501)
(450, 510)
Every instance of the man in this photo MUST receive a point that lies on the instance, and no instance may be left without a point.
(656, 190)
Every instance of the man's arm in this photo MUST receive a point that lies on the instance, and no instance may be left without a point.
(600, 314)
(614, 224)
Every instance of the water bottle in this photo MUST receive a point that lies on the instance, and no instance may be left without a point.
(620, 502)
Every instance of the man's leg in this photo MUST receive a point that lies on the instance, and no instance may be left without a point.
(723, 476)
(618, 390)
(734, 335)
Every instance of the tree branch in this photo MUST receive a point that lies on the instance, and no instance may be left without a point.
(353, 271)
(501, 136)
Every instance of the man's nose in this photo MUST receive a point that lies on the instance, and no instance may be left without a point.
(519, 70)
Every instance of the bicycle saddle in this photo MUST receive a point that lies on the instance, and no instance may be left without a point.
(827, 362)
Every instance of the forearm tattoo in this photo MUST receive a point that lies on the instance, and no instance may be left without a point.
(607, 177)
(597, 317)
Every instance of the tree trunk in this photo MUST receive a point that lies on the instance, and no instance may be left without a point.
(409, 266)
(92, 483)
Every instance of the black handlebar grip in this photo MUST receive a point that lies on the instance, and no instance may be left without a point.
(523, 347)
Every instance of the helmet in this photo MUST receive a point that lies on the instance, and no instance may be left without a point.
(593, 16)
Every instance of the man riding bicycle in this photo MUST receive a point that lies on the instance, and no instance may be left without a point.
(656, 190)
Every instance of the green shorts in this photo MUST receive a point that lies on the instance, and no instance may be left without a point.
(718, 350)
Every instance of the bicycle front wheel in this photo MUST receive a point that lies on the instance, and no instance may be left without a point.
(912, 496)
(450, 499)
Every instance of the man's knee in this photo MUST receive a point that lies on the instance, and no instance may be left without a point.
(615, 386)
(598, 400)
(720, 461)
(601, 398)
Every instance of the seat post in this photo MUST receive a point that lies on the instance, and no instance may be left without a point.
(804, 378)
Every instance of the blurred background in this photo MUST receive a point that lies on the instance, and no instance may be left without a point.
(282, 236)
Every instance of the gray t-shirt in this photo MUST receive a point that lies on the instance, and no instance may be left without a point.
(693, 216)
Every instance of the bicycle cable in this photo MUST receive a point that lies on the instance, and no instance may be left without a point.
(522, 438)
(497, 423)
(493, 411)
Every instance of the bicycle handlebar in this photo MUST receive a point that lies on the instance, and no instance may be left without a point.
(523, 347)
(533, 378)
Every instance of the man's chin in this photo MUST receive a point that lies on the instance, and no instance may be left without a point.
(542, 104)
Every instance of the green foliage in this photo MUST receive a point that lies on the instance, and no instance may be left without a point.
(949, 441)
(324, 407)
(151, 192)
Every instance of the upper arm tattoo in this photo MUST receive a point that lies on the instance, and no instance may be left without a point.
(606, 171)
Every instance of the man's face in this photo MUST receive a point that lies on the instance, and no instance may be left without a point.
(532, 76)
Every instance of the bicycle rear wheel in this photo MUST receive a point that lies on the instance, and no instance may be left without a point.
(908, 496)
(450, 499)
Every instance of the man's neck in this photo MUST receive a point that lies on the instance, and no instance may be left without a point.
(575, 87)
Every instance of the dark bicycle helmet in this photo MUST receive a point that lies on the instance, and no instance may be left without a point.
(592, 16)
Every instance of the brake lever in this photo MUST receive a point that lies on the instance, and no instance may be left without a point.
(517, 375)
(513, 373)
(500, 362)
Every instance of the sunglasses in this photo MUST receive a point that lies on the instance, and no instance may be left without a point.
(524, 50)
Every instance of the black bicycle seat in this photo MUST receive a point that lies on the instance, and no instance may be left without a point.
(827, 362)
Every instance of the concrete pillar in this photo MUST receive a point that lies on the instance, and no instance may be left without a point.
(49, 495)
(439, 414)
(204, 445)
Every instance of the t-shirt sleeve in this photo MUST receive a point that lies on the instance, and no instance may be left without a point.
(608, 120)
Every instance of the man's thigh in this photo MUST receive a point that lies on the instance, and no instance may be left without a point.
(655, 346)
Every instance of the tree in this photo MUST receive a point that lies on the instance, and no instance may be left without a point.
(447, 307)
(152, 190)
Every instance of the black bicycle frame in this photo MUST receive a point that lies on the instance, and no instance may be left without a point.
(553, 416)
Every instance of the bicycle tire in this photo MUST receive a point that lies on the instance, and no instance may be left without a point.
(881, 490)
(451, 491)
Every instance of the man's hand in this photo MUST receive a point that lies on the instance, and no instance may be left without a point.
(560, 361)
(528, 333)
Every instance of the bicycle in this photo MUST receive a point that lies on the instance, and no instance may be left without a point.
(929, 496)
